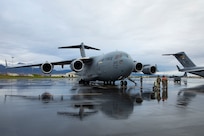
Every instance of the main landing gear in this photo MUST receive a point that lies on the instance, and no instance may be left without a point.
(109, 82)
(123, 83)
(84, 82)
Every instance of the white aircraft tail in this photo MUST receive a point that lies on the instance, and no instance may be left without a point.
(82, 48)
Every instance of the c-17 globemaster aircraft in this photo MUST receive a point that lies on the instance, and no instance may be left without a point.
(188, 64)
(109, 67)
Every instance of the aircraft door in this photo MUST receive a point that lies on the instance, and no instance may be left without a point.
(99, 65)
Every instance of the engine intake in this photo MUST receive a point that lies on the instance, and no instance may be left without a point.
(77, 65)
(138, 67)
(47, 68)
(149, 69)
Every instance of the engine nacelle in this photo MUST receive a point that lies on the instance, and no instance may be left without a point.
(47, 68)
(137, 67)
(77, 65)
(149, 70)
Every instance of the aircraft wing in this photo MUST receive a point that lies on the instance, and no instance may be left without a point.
(193, 69)
(23, 66)
(47, 67)
(67, 62)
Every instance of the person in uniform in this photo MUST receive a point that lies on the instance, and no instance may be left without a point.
(164, 82)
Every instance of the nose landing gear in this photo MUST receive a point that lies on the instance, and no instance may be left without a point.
(123, 83)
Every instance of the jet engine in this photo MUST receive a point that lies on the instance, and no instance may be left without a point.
(77, 65)
(47, 68)
(149, 69)
(137, 67)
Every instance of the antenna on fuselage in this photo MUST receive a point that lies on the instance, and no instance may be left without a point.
(82, 48)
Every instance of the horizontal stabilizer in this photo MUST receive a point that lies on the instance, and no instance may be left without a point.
(78, 46)
(179, 53)
(82, 48)
(167, 54)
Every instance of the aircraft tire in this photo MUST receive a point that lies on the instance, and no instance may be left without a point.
(121, 83)
(81, 81)
(125, 83)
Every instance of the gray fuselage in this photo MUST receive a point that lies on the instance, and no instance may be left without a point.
(108, 67)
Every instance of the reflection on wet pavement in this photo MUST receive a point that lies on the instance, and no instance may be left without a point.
(99, 110)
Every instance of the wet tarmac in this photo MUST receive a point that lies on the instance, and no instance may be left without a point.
(98, 110)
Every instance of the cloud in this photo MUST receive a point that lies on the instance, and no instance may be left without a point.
(32, 30)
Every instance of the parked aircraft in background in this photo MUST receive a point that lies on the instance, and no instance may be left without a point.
(109, 67)
(177, 79)
(188, 65)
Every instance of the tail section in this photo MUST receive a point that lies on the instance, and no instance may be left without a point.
(185, 74)
(82, 48)
(6, 64)
(183, 59)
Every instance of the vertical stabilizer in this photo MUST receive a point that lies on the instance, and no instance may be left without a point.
(82, 48)
(6, 64)
(183, 59)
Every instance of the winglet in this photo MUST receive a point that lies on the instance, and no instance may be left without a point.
(82, 48)
(178, 68)
(185, 74)
(6, 64)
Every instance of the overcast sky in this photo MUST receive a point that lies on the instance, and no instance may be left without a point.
(32, 30)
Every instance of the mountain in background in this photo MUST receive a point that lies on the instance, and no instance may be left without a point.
(29, 70)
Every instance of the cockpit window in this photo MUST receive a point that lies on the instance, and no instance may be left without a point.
(126, 55)
(118, 56)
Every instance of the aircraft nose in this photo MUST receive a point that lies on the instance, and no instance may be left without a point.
(130, 64)
(127, 67)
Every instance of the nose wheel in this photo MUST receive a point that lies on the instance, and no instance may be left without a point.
(123, 83)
